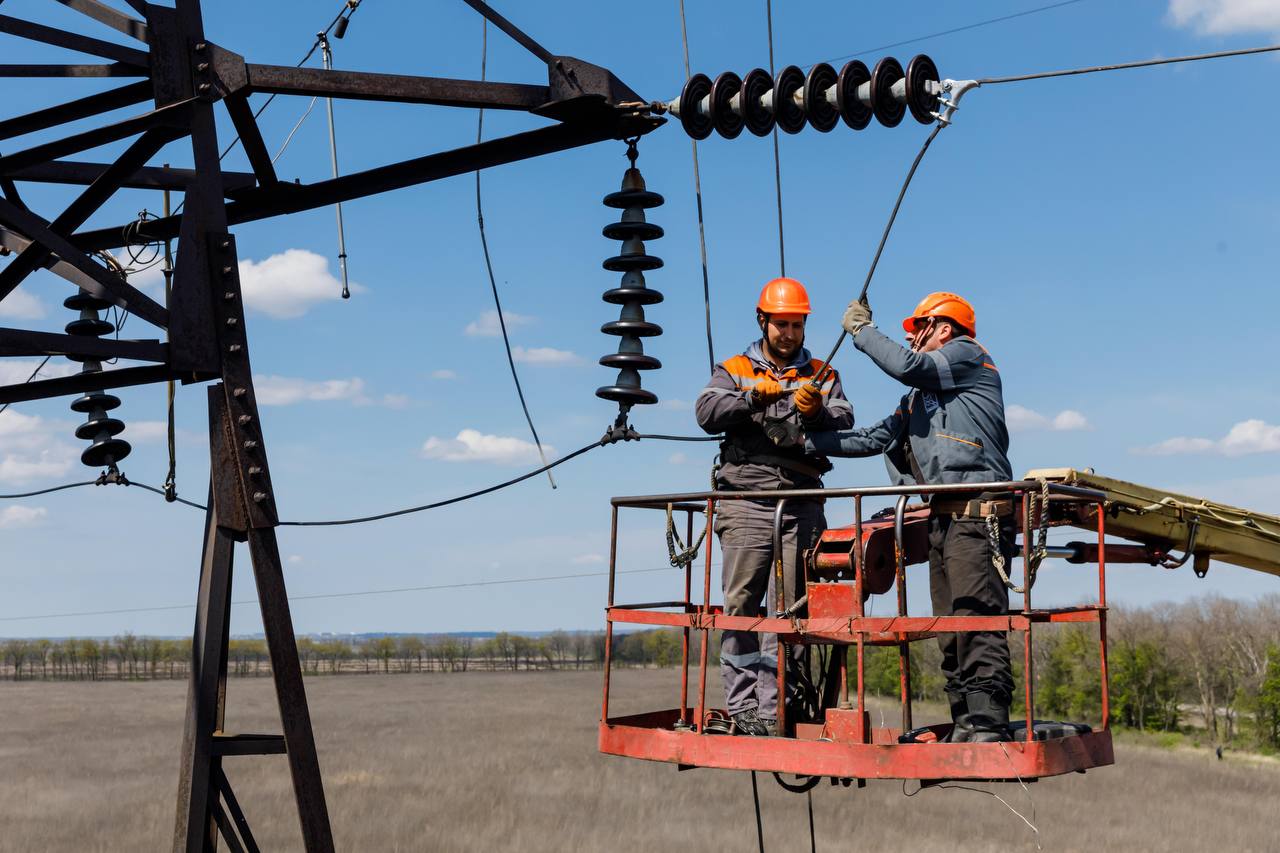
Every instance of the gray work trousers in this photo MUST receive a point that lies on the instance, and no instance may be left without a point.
(749, 660)
(962, 582)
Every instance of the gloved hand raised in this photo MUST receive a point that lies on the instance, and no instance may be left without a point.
(808, 400)
(856, 317)
(766, 392)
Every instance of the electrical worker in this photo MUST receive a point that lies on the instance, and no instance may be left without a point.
(761, 400)
(950, 428)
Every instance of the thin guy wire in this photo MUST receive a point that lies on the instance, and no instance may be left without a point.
(488, 264)
(755, 796)
(697, 192)
(1143, 63)
(355, 594)
(777, 162)
(866, 284)
(954, 30)
(289, 138)
(39, 368)
(813, 838)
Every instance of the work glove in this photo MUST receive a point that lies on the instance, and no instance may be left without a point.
(766, 392)
(856, 317)
(808, 400)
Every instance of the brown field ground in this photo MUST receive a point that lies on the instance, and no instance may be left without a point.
(507, 761)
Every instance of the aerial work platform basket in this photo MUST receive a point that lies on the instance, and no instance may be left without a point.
(849, 564)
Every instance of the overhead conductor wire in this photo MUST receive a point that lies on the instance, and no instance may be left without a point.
(488, 264)
(777, 162)
(697, 192)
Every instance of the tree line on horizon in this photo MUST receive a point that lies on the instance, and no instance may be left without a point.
(1212, 663)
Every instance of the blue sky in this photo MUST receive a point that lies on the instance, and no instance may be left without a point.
(1117, 233)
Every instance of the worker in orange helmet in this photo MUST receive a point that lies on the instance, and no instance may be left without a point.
(761, 400)
(950, 428)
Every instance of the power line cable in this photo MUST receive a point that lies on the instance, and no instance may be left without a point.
(777, 162)
(954, 30)
(488, 264)
(697, 192)
(1142, 63)
(353, 594)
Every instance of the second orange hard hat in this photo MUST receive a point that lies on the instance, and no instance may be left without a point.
(784, 296)
(943, 304)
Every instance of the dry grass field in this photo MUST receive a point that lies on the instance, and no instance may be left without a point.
(508, 762)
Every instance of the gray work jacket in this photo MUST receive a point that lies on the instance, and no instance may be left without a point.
(726, 405)
(953, 419)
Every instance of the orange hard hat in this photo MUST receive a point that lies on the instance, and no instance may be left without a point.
(947, 305)
(784, 296)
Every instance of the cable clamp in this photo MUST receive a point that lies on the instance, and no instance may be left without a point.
(620, 430)
(949, 95)
(111, 477)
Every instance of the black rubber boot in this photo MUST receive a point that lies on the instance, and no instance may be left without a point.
(987, 720)
(748, 723)
(960, 729)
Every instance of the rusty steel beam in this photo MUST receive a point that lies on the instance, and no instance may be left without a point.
(113, 99)
(107, 284)
(146, 178)
(115, 69)
(23, 342)
(72, 41)
(251, 138)
(398, 88)
(104, 14)
(79, 383)
(170, 116)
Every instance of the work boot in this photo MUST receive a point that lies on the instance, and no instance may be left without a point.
(748, 723)
(771, 725)
(987, 719)
(960, 730)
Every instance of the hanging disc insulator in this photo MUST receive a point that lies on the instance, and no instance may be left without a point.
(105, 452)
(633, 290)
(633, 194)
(639, 229)
(94, 401)
(923, 103)
(85, 301)
(822, 114)
(855, 112)
(633, 257)
(885, 103)
(90, 429)
(627, 394)
(728, 122)
(790, 114)
(689, 107)
(756, 114)
(89, 327)
(638, 328)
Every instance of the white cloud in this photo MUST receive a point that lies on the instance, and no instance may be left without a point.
(474, 446)
(1022, 419)
(32, 448)
(443, 373)
(20, 305)
(1226, 17)
(587, 559)
(289, 284)
(295, 559)
(487, 326)
(285, 390)
(21, 516)
(395, 401)
(17, 371)
(677, 459)
(676, 405)
(544, 356)
(1244, 438)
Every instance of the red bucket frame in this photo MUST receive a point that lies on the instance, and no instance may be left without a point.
(845, 745)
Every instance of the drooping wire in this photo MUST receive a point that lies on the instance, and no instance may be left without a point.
(955, 30)
(48, 490)
(697, 192)
(353, 594)
(39, 368)
(171, 477)
(1142, 63)
(755, 796)
(884, 236)
(488, 264)
(777, 162)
